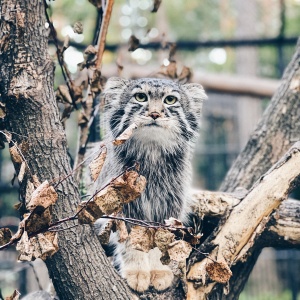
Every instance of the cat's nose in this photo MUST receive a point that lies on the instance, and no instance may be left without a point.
(154, 115)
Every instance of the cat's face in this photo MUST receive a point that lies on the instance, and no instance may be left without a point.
(162, 109)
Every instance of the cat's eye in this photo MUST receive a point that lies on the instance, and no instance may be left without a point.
(141, 97)
(170, 100)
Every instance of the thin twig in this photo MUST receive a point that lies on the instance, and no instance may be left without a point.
(103, 32)
(64, 69)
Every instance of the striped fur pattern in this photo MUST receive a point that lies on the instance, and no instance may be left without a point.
(163, 145)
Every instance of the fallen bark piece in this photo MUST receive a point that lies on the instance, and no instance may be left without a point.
(5, 236)
(142, 238)
(218, 271)
(179, 250)
(96, 165)
(125, 135)
(45, 195)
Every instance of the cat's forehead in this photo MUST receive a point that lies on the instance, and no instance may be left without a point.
(154, 85)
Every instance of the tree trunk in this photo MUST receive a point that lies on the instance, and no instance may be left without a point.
(80, 269)
(274, 135)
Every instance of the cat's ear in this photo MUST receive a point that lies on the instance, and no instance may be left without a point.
(196, 95)
(115, 84)
(195, 91)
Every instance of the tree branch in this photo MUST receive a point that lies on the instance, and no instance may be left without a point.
(236, 237)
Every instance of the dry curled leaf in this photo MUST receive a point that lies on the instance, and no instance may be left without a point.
(179, 250)
(22, 171)
(125, 135)
(15, 154)
(133, 43)
(156, 5)
(130, 186)
(97, 163)
(45, 195)
(122, 230)
(163, 238)
(66, 43)
(109, 200)
(112, 198)
(29, 190)
(98, 81)
(142, 238)
(104, 233)
(78, 27)
(63, 94)
(40, 246)
(218, 271)
(87, 215)
(38, 219)
(185, 75)
(97, 3)
(5, 236)
(15, 296)
(174, 222)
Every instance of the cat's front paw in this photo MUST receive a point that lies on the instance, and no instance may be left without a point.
(138, 280)
(161, 279)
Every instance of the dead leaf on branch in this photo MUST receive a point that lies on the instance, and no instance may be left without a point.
(63, 94)
(40, 246)
(110, 200)
(218, 271)
(125, 135)
(15, 155)
(133, 43)
(97, 3)
(15, 296)
(130, 185)
(22, 171)
(174, 223)
(44, 196)
(97, 163)
(142, 238)
(5, 236)
(156, 5)
(104, 234)
(163, 238)
(122, 230)
(179, 250)
(38, 219)
(78, 27)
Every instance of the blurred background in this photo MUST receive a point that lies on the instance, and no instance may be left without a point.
(236, 49)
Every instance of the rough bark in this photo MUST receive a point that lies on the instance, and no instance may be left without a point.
(283, 229)
(275, 133)
(237, 238)
(79, 270)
